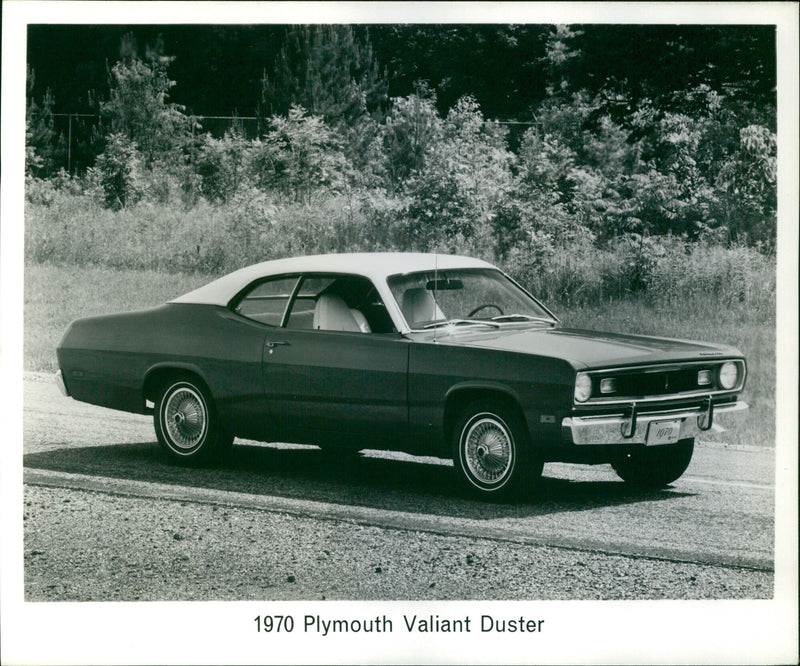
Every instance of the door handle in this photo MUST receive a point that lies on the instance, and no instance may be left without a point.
(271, 344)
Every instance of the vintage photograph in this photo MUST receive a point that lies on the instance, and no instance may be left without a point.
(400, 311)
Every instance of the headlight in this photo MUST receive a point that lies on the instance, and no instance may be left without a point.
(583, 387)
(728, 375)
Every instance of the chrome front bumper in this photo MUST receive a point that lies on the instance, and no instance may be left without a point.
(632, 428)
(59, 380)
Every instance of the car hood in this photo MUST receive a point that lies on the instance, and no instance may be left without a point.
(589, 349)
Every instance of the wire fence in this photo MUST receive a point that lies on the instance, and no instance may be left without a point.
(80, 133)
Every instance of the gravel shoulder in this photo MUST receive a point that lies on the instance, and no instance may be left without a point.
(88, 546)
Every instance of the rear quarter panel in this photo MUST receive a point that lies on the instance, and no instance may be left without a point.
(105, 360)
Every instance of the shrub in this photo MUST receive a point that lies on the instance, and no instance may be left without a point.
(410, 130)
(735, 275)
(557, 273)
(454, 194)
(69, 229)
(223, 165)
(661, 269)
(561, 264)
(138, 106)
(117, 173)
(306, 157)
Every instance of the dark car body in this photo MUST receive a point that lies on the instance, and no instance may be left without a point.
(255, 351)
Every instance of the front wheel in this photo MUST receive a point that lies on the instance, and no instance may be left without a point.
(655, 467)
(492, 451)
(186, 422)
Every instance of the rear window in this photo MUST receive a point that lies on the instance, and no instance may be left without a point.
(266, 302)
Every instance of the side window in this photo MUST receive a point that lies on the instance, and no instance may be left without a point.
(339, 303)
(302, 314)
(266, 301)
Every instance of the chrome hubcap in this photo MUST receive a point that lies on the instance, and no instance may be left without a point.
(185, 418)
(488, 450)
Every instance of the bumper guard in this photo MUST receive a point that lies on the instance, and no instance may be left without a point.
(631, 428)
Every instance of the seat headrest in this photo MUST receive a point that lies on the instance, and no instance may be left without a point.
(419, 306)
(332, 314)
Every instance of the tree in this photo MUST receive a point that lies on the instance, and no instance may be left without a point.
(659, 62)
(560, 57)
(138, 106)
(223, 164)
(499, 65)
(748, 180)
(411, 128)
(302, 155)
(39, 130)
(117, 172)
(328, 71)
(455, 192)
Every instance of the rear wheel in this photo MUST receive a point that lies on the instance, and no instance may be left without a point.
(491, 450)
(186, 422)
(655, 467)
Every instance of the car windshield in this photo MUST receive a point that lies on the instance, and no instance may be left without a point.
(478, 296)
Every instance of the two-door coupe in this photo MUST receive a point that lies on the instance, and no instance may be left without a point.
(429, 354)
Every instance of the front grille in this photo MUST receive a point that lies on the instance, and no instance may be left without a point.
(656, 383)
(641, 384)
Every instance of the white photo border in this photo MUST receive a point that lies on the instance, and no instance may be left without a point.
(216, 632)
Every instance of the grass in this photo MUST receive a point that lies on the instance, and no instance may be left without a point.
(56, 295)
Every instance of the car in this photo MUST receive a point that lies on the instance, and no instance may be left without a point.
(424, 353)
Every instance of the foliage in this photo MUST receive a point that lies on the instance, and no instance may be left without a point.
(219, 68)
(223, 165)
(748, 180)
(411, 128)
(138, 107)
(327, 70)
(563, 266)
(301, 156)
(500, 65)
(117, 173)
(661, 62)
(608, 181)
(455, 190)
(40, 135)
(661, 172)
(559, 57)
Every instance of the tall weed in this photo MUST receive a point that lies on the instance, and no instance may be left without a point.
(72, 229)
(726, 275)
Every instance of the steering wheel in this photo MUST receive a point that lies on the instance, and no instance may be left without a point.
(485, 305)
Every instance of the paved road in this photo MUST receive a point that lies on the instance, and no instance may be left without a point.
(721, 512)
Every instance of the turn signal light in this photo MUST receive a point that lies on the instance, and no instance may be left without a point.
(704, 378)
(608, 386)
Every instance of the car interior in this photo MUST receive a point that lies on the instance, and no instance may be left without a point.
(323, 302)
(419, 306)
(345, 303)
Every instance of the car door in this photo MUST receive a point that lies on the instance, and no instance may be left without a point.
(255, 317)
(336, 382)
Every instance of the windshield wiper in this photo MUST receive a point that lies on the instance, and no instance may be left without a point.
(523, 317)
(457, 322)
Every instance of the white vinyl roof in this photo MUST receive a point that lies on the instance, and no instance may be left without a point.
(376, 266)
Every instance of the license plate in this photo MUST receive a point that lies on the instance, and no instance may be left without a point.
(663, 432)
